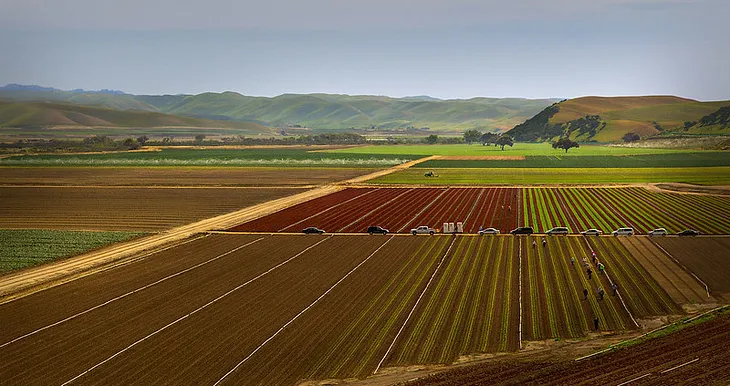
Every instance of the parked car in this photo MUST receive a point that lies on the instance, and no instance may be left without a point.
(311, 230)
(592, 232)
(422, 230)
(377, 229)
(623, 232)
(558, 231)
(688, 232)
(658, 232)
(489, 231)
(522, 231)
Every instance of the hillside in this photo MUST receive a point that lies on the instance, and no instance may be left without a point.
(47, 114)
(607, 119)
(316, 111)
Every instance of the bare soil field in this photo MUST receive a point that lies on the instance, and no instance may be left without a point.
(680, 285)
(117, 208)
(697, 355)
(174, 176)
(706, 257)
(279, 309)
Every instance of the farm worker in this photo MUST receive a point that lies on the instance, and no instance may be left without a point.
(585, 262)
(589, 271)
(595, 323)
(534, 244)
(502, 207)
(480, 228)
(544, 242)
(601, 268)
(509, 208)
(600, 292)
(585, 294)
(572, 260)
(614, 287)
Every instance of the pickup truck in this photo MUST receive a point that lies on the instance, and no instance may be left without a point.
(423, 229)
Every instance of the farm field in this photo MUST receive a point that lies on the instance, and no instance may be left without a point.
(706, 257)
(519, 149)
(20, 248)
(669, 160)
(174, 176)
(717, 175)
(400, 209)
(703, 349)
(122, 209)
(278, 309)
(290, 157)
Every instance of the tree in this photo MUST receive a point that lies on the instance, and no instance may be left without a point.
(472, 136)
(488, 138)
(432, 139)
(131, 144)
(142, 140)
(565, 143)
(199, 138)
(504, 140)
(631, 137)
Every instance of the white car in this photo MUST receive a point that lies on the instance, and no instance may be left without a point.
(422, 230)
(658, 232)
(623, 232)
(592, 232)
(489, 231)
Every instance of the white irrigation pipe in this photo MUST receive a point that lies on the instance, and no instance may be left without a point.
(618, 293)
(120, 352)
(678, 366)
(634, 379)
(413, 309)
(519, 326)
(231, 371)
(707, 289)
(127, 294)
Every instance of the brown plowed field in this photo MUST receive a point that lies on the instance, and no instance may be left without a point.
(680, 285)
(132, 209)
(707, 342)
(277, 309)
(174, 176)
(706, 257)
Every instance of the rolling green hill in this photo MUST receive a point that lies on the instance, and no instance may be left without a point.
(315, 111)
(607, 119)
(48, 114)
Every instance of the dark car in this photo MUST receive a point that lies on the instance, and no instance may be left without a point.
(688, 232)
(377, 229)
(522, 231)
(312, 230)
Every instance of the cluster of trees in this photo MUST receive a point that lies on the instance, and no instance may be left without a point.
(631, 137)
(95, 143)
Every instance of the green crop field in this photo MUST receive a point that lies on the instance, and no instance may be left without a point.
(695, 159)
(212, 157)
(20, 248)
(519, 149)
(719, 175)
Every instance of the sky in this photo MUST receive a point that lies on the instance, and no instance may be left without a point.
(442, 48)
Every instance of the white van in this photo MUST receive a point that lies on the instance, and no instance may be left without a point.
(623, 232)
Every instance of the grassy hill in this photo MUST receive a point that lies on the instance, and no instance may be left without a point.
(48, 114)
(607, 119)
(316, 111)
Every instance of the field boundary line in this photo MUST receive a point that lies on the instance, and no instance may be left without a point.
(380, 173)
(618, 293)
(430, 204)
(131, 292)
(301, 313)
(120, 352)
(707, 289)
(519, 325)
(678, 366)
(474, 205)
(413, 309)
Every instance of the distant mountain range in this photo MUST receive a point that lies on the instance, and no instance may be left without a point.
(607, 119)
(315, 111)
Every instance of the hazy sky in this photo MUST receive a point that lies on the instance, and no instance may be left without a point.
(442, 48)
